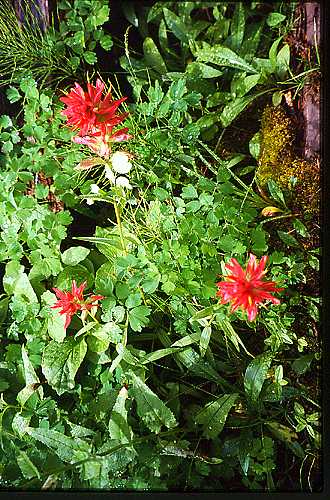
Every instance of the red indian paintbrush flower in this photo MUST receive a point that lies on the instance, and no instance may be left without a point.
(99, 141)
(86, 110)
(247, 289)
(72, 302)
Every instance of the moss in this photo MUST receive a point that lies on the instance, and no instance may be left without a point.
(278, 161)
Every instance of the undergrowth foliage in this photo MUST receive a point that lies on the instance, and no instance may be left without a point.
(173, 345)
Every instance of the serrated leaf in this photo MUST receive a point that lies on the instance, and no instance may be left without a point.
(213, 416)
(256, 374)
(60, 362)
(72, 256)
(150, 408)
(13, 95)
(138, 317)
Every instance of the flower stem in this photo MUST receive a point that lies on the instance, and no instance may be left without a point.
(120, 228)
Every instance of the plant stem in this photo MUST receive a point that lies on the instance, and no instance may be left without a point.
(120, 227)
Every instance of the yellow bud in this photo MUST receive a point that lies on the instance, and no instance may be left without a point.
(267, 211)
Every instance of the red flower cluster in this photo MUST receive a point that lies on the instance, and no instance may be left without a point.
(247, 289)
(94, 117)
(72, 302)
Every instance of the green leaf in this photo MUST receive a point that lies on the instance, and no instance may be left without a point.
(254, 145)
(68, 449)
(175, 25)
(16, 282)
(55, 321)
(72, 256)
(177, 89)
(150, 408)
(118, 426)
(205, 339)
(302, 364)
(234, 108)
(31, 380)
(60, 362)
(274, 19)
(300, 228)
(5, 122)
(106, 42)
(256, 374)
(79, 273)
(276, 192)
(152, 56)
(13, 95)
(90, 57)
(28, 469)
(189, 192)
(288, 239)
(277, 98)
(283, 61)
(222, 56)
(237, 26)
(160, 353)
(213, 416)
(138, 317)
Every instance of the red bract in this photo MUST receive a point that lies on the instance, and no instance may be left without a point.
(86, 110)
(247, 289)
(99, 141)
(72, 302)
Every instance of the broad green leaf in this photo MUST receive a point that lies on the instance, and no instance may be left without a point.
(152, 56)
(213, 416)
(300, 228)
(234, 108)
(302, 364)
(32, 382)
(16, 282)
(281, 432)
(68, 449)
(98, 340)
(150, 408)
(55, 321)
(288, 239)
(222, 56)
(118, 426)
(60, 362)
(275, 18)
(283, 61)
(256, 374)
(5, 121)
(276, 192)
(176, 26)
(72, 256)
(79, 273)
(203, 70)
(28, 469)
(273, 52)
(277, 98)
